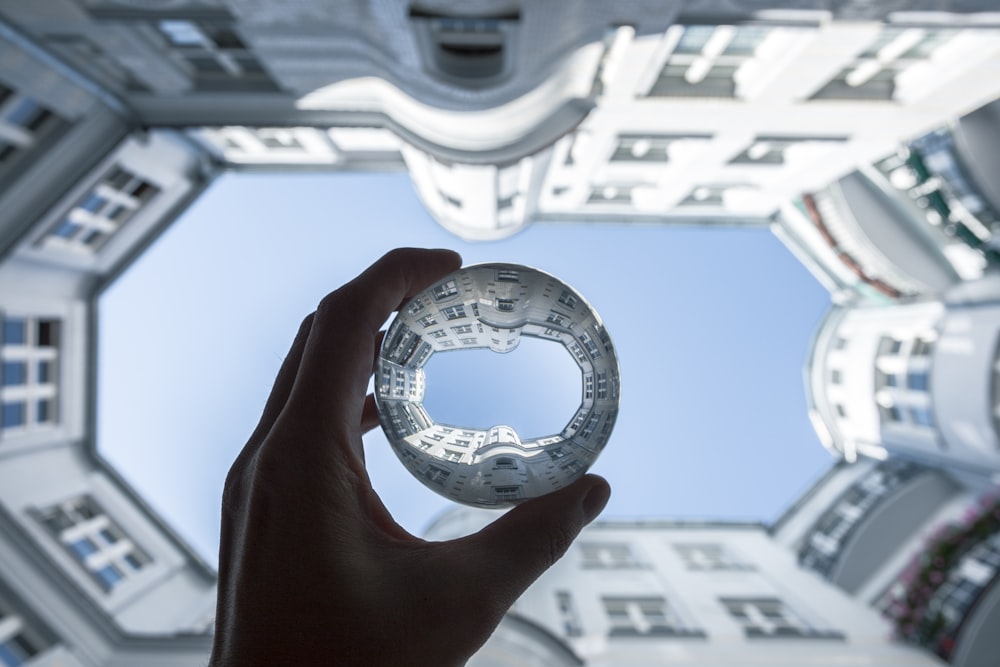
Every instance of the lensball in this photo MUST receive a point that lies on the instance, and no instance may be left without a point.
(491, 306)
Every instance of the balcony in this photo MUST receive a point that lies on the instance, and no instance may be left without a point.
(858, 533)
(948, 599)
(931, 171)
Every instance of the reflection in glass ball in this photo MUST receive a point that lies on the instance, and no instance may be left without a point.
(491, 306)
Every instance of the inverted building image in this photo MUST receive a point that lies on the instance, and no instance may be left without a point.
(866, 140)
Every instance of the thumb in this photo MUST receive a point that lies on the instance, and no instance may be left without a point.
(519, 546)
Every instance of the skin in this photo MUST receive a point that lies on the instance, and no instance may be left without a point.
(313, 570)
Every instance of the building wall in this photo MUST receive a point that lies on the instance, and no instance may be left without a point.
(643, 593)
(911, 379)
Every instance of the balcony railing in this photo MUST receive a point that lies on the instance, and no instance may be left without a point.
(823, 547)
(930, 172)
(941, 588)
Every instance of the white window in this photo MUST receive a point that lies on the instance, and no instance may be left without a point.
(504, 305)
(508, 276)
(98, 544)
(872, 74)
(454, 312)
(607, 556)
(706, 59)
(556, 318)
(23, 124)
(709, 557)
(101, 212)
(446, 289)
(568, 615)
(29, 356)
(449, 455)
(767, 617)
(506, 493)
(646, 616)
(20, 643)
(567, 299)
(215, 55)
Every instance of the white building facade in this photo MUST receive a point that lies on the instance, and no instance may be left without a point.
(865, 138)
(686, 593)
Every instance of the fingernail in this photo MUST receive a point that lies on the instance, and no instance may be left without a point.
(595, 500)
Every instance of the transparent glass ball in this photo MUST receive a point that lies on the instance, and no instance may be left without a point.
(492, 306)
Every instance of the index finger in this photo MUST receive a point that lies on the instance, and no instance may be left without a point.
(336, 362)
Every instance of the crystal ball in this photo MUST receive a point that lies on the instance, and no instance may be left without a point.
(492, 306)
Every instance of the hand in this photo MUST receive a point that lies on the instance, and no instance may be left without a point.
(312, 568)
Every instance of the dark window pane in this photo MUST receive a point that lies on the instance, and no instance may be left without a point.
(43, 411)
(47, 331)
(24, 113)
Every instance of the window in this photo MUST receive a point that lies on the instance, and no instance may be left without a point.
(427, 320)
(94, 540)
(588, 342)
(454, 312)
(101, 212)
(588, 386)
(872, 74)
(765, 618)
(836, 376)
(773, 151)
(29, 355)
(14, 373)
(706, 195)
(922, 416)
(462, 329)
(607, 556)
(20, 642)
(506, 493)
(215, 54)
(440, 333)
(504, 305)
(706, 59)
(436, 475)
(24, 124)
(508, 276)
(567, 299)
(556, 318)
(706, 557)
(647, 616)
(921, 348)
(568, 615)
(470, 51)
(415, 306)
(918, 380)
(444, 290)
(610, 194)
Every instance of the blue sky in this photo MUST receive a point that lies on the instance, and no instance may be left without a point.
(712, 327)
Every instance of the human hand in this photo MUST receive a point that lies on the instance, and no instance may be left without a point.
(313, 570)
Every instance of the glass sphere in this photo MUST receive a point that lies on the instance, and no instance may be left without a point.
(491, 306)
